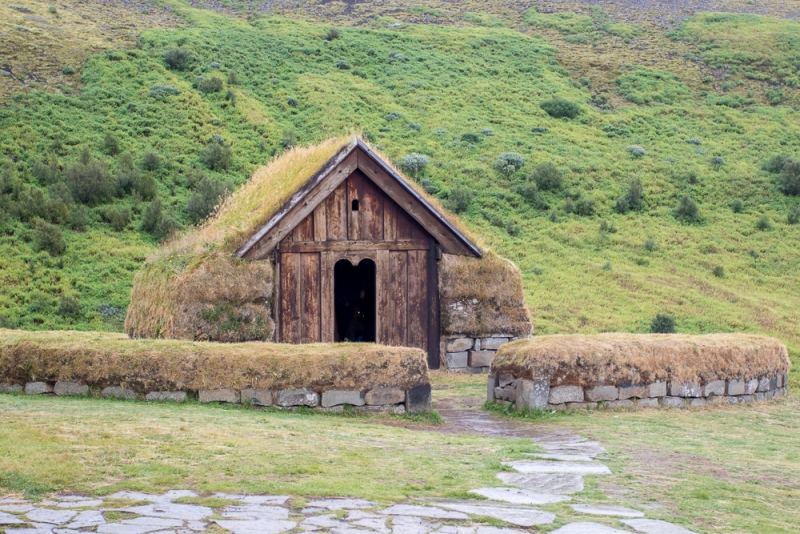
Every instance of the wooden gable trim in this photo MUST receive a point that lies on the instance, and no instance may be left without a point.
(355, 155)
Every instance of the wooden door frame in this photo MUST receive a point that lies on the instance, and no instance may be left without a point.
(434, 313)
(328, 262)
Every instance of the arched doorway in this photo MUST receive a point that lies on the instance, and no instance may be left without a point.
(354, 301)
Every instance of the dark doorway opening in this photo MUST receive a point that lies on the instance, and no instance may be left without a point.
(354, 300)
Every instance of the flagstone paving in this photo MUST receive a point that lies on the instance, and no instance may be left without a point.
(551, 477)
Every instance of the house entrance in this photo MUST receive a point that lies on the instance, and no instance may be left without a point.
(354, 300)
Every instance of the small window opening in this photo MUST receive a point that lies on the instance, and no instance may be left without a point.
(355, 205)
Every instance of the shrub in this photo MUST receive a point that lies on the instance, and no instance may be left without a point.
(48, 237)
(636, 151)
(717, 162)
(151, 160)
(737, 206)
(161, 92)
(529, 191)
(553, 215)
(156, 222)
(414, 126)
(230, 96)
(547, 177)
(393, 116)
(414, 163)
(561, 107)
(342, 64)
(790, 177)
(209, 84)
(649, 245)
(537, 129)
(233, 79)
(429, 187)
(118, 217)
(513, 228)
(69, 307)
(110, 144)
(470, 137)
(694, 141)
(719, 271)
(794, 215)
(292, 101)
(633, 198)
(459, 199)
(89, 181)
(774, 165)
(46, 172)
(68, 70)
(177, 58)
(687, 210)
(663, 324)
(487, 132)
(78, 218)
(289, 138)
(763, 223)
(331, 34)
(509, 162)
(207, 196)
(217, 156)
(584, 207)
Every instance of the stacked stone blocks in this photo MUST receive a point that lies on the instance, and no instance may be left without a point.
(473, 354)
(538, 394)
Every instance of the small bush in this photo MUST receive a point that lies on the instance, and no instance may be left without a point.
(414, 126)
(584, 207)
(553, 215)
(78, 218)
(694, 141)
(209, 84)
(633, 198)
(46, 172)
(118, 217)
(110, 144)
(414, 163)
(636, 151)
(513, 228)
(292, 101)
(794, 215)
(529, 191)
(233, 79)
(177, 58)
(393, 116)
(89, 181)
(342, 64)
(459, 199)
(161, 92)
(774, 165)
(763, 223)
(69, 307)
(487, 132)
(687, 210)
(289, 138)
(230, 96)
(217, 156)
(561, 107)
(156, 222)
(429, 187)
(48, 237)
(717, 162)
(537, 129)
(736, 205)
(151, 161)
(470, 137)
(509, 162)
(331, 34)
(649, 245)
(663, 324)
(790, 177)
(207, 196)
(719, 271)
(547, 177)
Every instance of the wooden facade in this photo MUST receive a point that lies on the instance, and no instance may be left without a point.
(358, 209)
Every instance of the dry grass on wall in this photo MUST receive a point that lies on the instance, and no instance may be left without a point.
(103, 359)
(481, 297)
(617, 359)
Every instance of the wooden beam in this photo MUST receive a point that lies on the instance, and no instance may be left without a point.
(355, 246)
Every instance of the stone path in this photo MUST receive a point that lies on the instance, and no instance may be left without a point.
(545, 479)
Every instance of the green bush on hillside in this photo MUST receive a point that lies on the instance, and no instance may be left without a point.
(687, 210)
(177, 58)
(775, 164)
(642, 85)
(208, 194)
(69, 307)
(763, 223)
(414, 163)
(528, 190)
(151, 161)
(561, 107)
(790, 177)
(118, 217)
(459, 199)
(157, 223)
(547, 177)
(663, 324)
(209, 84)
(509, 162)
(794, 215)
(217, 156)
(633, 199)
(48, 237)
(89, 180)
(110, 144)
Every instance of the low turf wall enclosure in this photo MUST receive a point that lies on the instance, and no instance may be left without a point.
(630, 370)
(368, 377)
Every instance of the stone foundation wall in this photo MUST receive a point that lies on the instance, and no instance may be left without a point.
(537, 394)
(381, 399)
(472, 354)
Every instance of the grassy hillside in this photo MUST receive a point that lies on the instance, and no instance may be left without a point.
(147, 135)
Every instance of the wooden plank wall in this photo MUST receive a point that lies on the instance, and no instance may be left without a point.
(380, 230)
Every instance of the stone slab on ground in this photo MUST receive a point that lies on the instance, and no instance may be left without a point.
(257, 396)
(5, 387)
(422, 511)
(456, 360)
(168, 510)
(562, 457)
(647, 403)
(589, 448)
(575, 468)
(523, 517)
(736, 387)
(166, 396)
(657, 389)
(588, 527)
(419, 399)
(385, 395)
(255, 512)
(557, 483)
(341, 504)
(654, 526)
(86, 519)
(253, 499)
(297, 397)
(260, 526)
(602, 393)
(717, 387)
(64, 388)
(518, 496)
(602, 509)
(562, 394)
(337, 397)
(55, 517)
(532, 394)
(403, 524)
(10, 519)
(38, 388)
(118, 392)
(630, 391)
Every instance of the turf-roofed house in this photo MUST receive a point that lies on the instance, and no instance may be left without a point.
(327, 244)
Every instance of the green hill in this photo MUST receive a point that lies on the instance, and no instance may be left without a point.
(151, 134)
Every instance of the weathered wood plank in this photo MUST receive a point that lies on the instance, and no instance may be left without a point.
(418, 299)
(434, 313)
(305, 230)
(336, 212)
(398, 291)
(327, 317)
(310, 298)
(277, 308)
(383, 312)
(321, 222)
(371, 210)
(290, 291)
(355, 246)
(389, 216)
(354, 217)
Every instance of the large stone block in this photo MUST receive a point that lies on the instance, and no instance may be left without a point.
(459, 344)
(602, 393)
(624, 403)
(657, 389)
(64, 389)
(508, 393)
(5, 387)
(685, 389)
(419, 399)
(760, 397)
(118, 392)
(763, 384)
(38, 388)
(629, 391)
(562, 394)
(504, 380)
(219, 395)
(647, 403)
(298, 397)
(397, 409)
(773, 383)
(717, 387)
(731, 399)
(779, 383)
(456, 360)
(532, 394)
(736, 387)
(746, 399)
(166, 396)
(493, 343)
(751, 386)
(491, 383)
(698, 402)
(384, 395)
(673, 402)
(257, 396)
(581, 405)
(481, 358)
(339, 397)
